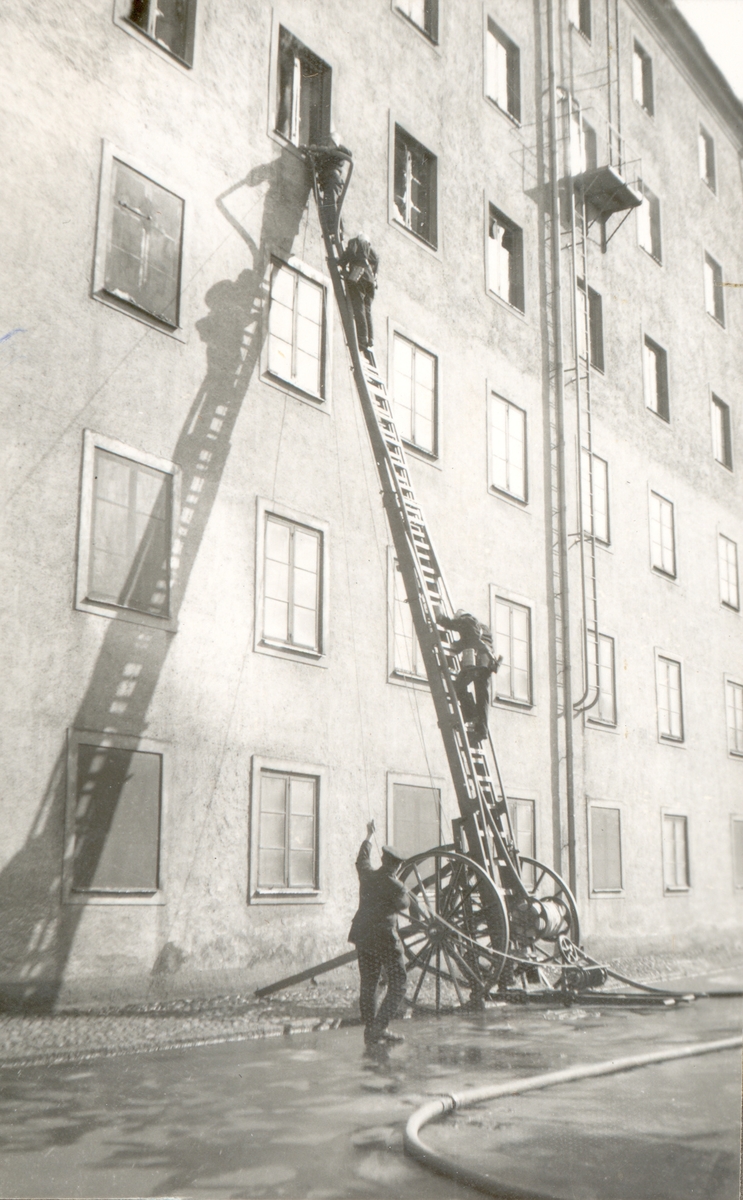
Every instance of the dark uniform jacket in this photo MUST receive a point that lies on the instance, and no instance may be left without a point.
(381, 898)
(475, 642)
(362, 262)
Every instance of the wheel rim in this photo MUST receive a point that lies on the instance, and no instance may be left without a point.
(457, 931)
(555, 904)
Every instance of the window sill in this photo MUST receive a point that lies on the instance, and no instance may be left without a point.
(526, 707)
(720, 324)
(678, 743)
(411, 24)
(676, 891)
(138, 314)
(400, 679)
(516, 501)
(643, 108)
(586, 36)
(319, 403)
(135, 899)
(729, 469)
(666, 420)
(661, 574)
(431, 247)
(506, 304)
(515, 121)
(598, 893)
(604, 726)
(286, 896)
(649, 254)
(162, 51)
(98, 608)
(313, 658)
(428, 456)
(733, 608)
(709, 186)
(736, 754)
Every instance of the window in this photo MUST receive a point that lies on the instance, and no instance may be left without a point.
(513, 640)
(600, 498)
(728, 560)
(505, 264)
(303, 101)
(170, 23)
(595, 317)
(126, 518)
(287, 835)
(648, 223)
(407, 660)
(138, 253)
(737, 832)
(414, 390)
(502, 71)
(415, 187)
(670, 712)
(642, 78)
(296, 330)
(604, 711)
(114, 816)
(722, 442)
(579, 15)
(734, 706)
(507, 447)
(713, 298)
(675, 853)
(662, 536)
(521, 813)
(606, 848)
(707, 170)
(416, 818)
(655, 363)
(423, 13)
(292, 585)
(583, 143)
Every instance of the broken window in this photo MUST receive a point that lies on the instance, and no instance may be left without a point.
(502, 71)
(303, 102)
(505, 259)
(169, 23)
(415, 187)
(143, 254)
(579, 15)
(287, 837)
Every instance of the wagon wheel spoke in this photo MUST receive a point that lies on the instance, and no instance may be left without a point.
(454, 979)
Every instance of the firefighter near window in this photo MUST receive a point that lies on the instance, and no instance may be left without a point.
(475, 645)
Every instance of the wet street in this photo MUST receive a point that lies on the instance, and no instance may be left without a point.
(313, 1116)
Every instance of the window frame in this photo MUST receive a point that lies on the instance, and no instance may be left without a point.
(494, 488)
(431, 38)
(593, 888)
(273, 84)
(255, 895)
(435, 246)
(660, 570)
(394, 673)
(121, 11)
(663, 394)
(717, 403)
(591, 714)
(491, 28)
(530, 798)
(95, 441)
(735, 819)
(502, 595)
(704, 136)
(595, 302)
(583, 26)
(732, 682)
(319, 401)
(118, 741)
(516, 261)
(726, 604)
(647, 101)
(604, 542)
(396, 331)
(104, 219)
(671, 889)
(654, 227)
(319, 657)
(714, 265)
(406, 779)
(668, 739)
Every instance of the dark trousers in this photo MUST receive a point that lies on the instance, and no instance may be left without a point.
(361, 295)
(477, 710)
(372, 957)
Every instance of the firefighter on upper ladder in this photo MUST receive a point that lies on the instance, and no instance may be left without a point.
(478, 663)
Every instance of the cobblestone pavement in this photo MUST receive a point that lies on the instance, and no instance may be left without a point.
(312, 1116)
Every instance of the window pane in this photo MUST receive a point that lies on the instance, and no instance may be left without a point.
(675, 852)
(512, 640)
(303, 797)
(143, 259)
(117, 820)
(301, 868)
(273, 793)
(271, 868)
(415, 818)
(734, 703)
(606, 856)
(304, 627)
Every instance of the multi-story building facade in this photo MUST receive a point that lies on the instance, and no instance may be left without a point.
(211, 681)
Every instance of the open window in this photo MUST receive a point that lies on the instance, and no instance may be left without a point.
(502, 71)
(169, 23)
(303, 100)
(414, 187)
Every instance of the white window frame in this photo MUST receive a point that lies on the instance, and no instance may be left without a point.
(497, 594)
(668, 739)
(725, 455)
(256, 895)
(394, 673)
(735, 819)
(710, 264)
(593, 888)
(493, 487)
(273, 78)
(592, 714)
(576, 12)
(516, 262)
(604, 470)
(432, 38)
(653, 354)
(705, 139)
(645, 225)
(122, 8)
(639, 56)
(660, 569)
(76, 737)
(393, 216)
(320, 401)
(96, 441)
(732, 684)
(265, 508)
(728, 603)
(675, 889)
(432, 782)
(492, 29)
(528, 873)
(396, 331)
(109, 154)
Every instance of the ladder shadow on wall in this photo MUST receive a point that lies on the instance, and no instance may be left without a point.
(38, 929)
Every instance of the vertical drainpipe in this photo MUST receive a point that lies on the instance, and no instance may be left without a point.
(560, 424)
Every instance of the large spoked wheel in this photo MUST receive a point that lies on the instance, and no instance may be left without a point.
(546, 927)
(456, 935)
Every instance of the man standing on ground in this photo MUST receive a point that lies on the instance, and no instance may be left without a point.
(374, 931)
